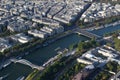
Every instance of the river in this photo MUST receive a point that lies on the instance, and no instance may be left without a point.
(41, 55)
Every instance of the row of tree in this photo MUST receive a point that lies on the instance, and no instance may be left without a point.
(19, 48)
(51, 71)
(112, 66)
(83, 46)
(104, 74)
(70, 72)
(117, 44)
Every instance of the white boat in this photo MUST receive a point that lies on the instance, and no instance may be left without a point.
(6, 64)
(20, 78)
(57, 49)
(1, 78)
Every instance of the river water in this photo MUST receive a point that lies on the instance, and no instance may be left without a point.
(41, 55)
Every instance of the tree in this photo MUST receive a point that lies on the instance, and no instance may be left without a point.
(109, 44)
(76, 68)
(81, 46)
(117, 44)
(71, 47)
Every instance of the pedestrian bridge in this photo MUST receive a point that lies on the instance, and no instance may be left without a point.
(28, 63)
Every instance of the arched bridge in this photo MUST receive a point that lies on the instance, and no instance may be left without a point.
(28, 63)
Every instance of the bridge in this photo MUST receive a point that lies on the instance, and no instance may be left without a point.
(28, 63)
(86, 33)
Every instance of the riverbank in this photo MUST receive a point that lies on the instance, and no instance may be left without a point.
(104, 26)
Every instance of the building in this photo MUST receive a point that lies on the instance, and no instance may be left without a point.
(58, 29)
(107, 53)
(4, 44)
(17, 27)
(37, 33)
(93, 58)
(46, 21)
(84, 61)
(100, 10)
(48, 30)
(118, 36)
(22, 38)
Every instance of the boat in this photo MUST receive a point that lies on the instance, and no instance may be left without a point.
(45, 44)
(20, 78)
(99, 27)
(90, 29)
(6, 64)
(3, 77)
(57, 49)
